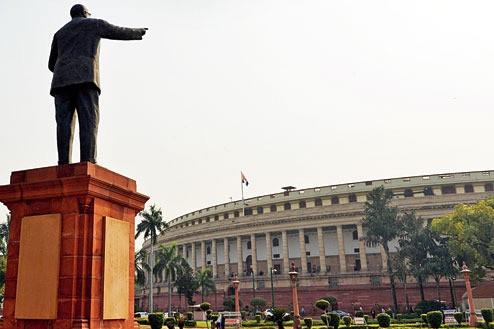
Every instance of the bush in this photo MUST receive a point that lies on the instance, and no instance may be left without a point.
(425, 306)
(347, 320)
(181, 321)
(258, 302)
(143, 322)
(487, 314)
(434, 319)
(411, 316)
(170, 323)
(229, 303)
(322, 304)
(359, 314)
(384, 320)
(333, 301)
(399, 316)
(390, 313)
(324, 319)
(205, 306)
(190, 323)
(482, 324)
(424, 318)
(459, 317)
(308, 322)
(243, 314)
(155, 320)
(334, 321)
(258, 318)
(366, 317)
(259, 313)
(190, 316)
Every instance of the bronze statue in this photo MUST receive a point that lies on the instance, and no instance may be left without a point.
(74, 61)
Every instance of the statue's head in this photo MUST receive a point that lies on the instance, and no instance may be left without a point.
(79, 11)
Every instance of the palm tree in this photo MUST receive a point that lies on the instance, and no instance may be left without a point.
(168, 261)
(4, 236)
(151, 225)
(141, 267)
(205, 282)
(402, 270)
(383, 225)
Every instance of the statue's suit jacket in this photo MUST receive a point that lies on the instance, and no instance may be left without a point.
(74, 56)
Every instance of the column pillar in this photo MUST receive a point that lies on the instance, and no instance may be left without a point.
(239, 256)
(341, 248)
(303, 253)
(254, 253)
(203, 255)
(322, 251)
(361, 246)
(286, 256)
(227, 257)
(384, 257)
(193, 251)
(269, 252)
(213, 261)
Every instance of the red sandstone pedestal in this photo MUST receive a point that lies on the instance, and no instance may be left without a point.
(71, 248)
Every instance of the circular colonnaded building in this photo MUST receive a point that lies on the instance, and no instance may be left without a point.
(318, 229)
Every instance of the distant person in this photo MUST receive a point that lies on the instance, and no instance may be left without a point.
(222, 323)
(303, 311)
(373, 313)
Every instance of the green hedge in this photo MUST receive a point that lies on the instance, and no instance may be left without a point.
(434, 319)
(156, 320)
(190, 323)
(487, 314)
(384, 320)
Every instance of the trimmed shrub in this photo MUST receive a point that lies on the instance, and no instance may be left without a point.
(155, 320)
(308, 322)
(434, 319)
(190, 316)
(424, 318)
(347, 320)
(359, 314)
(258, 318)
(425, 306)
(411, 316)
(324, 319)
(384, 320)
(322, 304)
(190, 323)
(243, 314)
(482, 325)
(399, 316)
(335, 320)
(258, 302)
(487, 314)
(170, 323)
(366, 317)
(181, 321)
(259, 313)
(143, 322)
(459, 317)
(390, 313)
(205, 306)
(333, 301)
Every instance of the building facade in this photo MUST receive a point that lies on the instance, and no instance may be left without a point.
(319, 230)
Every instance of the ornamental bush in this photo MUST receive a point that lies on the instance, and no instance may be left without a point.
(324, 319)
(170, 323)
(428, 305)
(347, 320)
(384, 320)
(424, 318)
(308, 322)
(399, 316)
(243, 314)
(335, 320)
(322, 304)
(390, 313)
(434, 319)
(155, 320)
(487, 314)
(190, 323)
(359, 314)
(366, 317)
(459, 317)
(190, 316)
(258, 318)
(205, 306)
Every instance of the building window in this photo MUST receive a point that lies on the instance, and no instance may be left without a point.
(356, 250)
(352, 198)
(307, 253)
(306, 238)
(276, 256)
(358, 266)
(488, 187)
(216, 217)
(408, 193)
(302, 204)
(335, 200)
(469, 188)
(249, 245)
(288, 206)
(248, 211)
(428, 191)
(276, 242)
(226, 215)
(277, 268)
(208, 250)
(449, 189)
(207, 220)
(355, 235)
(260, 210)
(236, 213)
(273, 208)
(209, 262)
(318, 202)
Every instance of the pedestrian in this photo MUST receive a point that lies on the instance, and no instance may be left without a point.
(303, 311)
(373, 313)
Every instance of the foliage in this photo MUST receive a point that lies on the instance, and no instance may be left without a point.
(170, 323)
(4, 236)
(308, 323)
(155, 320)
(324, 319)
(487, 314)
(229, 303)
(205, 282)
(189, 315)
(258, 302)
(258, 318)
(190, 323)
(186, 283)
(425, 306)
(399, 316)
(359, 314)
(459, 317)
(334, 320)
(322, 304)
(243, 314)
(435, 319)
(141, 267)
(383, 225)
(181, 321)
(279, 314)
(390, 313)
(347, 320)
(333, 301)
(424, 318)
(384, 320)
(205, 306)
(470, 235)
(366, 318)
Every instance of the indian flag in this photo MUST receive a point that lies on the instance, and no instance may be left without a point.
(244, 180)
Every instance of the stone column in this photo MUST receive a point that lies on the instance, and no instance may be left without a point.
(303, 253)
(384, 258)
(361, 246)
(254, 253)
(341, 248)
(322, 251)
(227, 257)
(286, 256)
(239, 256)
(213, 261)
(203, 255)
(193, 251)
(269, 252)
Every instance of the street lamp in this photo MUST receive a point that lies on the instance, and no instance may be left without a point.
(453, 279)
(271, 270)
(296, 315)
(253, 283)
(466, 274)
(236, 285)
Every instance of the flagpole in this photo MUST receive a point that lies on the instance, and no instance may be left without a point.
(242, 187)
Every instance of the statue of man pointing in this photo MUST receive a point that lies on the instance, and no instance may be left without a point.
(74, 61)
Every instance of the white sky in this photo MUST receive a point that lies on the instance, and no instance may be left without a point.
(302, 93)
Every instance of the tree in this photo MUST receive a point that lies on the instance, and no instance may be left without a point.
(439, 263)
(168, 262)
(151, 225)
(332, 300)
(258, 303)
(205, 307)
(229, 303)
(141, 267)
(402, 270)
(4, 236)
(470, 237)
(383, 225)
(185, 282)
(205, 282)
(278, 316)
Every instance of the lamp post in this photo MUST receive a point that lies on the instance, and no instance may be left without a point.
(454, 291)
(271, 270)
(253, 284)
(236, 285)
(466, 274)
(296, 314)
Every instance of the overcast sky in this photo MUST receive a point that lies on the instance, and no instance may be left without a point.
(304, 93)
